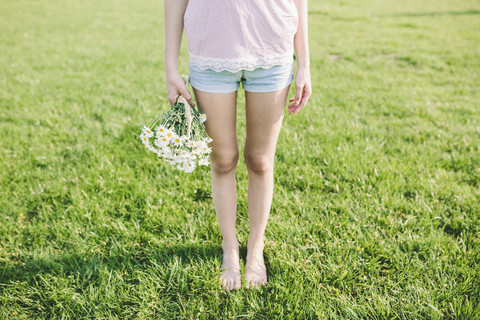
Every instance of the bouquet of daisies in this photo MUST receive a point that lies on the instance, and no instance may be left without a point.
(179, 136)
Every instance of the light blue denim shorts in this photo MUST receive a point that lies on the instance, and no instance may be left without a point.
(258, 80)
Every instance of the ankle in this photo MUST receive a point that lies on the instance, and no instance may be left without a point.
(255, 254)
(230, 244)
(255, 244)
(255, 259)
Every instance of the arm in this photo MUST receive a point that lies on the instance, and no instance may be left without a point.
(173, 13)
(303, 82)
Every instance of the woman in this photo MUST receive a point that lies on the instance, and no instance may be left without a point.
(232, 42)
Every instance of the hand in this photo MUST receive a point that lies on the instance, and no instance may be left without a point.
(303, 85)
(176, 86)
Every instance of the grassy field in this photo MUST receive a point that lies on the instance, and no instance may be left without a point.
(376, 206)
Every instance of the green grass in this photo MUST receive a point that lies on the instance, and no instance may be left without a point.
(376, 206)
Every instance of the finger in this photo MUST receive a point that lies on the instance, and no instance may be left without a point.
(187, 97)
(302, 104)
(298, 95)
(186, 94)
(291, 107)
(306, 93)
(296, 108)
(191, 99)
(190, 102)
(293, 102)
(171, 100)
(294, 112)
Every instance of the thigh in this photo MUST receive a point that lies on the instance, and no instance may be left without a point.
(264, 112)
(221, 111)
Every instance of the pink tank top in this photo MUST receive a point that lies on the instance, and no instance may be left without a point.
(236, 35)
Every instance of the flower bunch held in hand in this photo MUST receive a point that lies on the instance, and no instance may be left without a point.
(179, 137)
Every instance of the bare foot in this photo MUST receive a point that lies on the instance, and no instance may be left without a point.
(230, 277)
(255, 270)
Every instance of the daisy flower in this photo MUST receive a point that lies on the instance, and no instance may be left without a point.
(144, 139)
(170, 134)
(177, 142)
(179, 159)
(198, 143)
(203, 161)
(161, 131)
(167, 151)
(202, 117)
(161, 142)
(184, 140)
(151, 148)
(204, 149)
(207, 140)
(147, 132)
(190, 166)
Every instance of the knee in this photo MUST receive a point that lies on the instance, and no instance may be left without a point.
(224, 162)
(259, 164)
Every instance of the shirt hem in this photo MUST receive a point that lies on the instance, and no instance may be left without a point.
(238, 64)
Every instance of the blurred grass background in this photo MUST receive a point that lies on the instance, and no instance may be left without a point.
(375, 212)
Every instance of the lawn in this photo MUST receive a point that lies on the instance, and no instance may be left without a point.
(376, 207)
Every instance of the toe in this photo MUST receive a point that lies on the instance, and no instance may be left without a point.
(238, 285)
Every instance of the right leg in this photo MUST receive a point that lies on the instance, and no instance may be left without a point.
(221, 111)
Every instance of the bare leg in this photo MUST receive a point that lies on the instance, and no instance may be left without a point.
(265, 113)
(221, 109)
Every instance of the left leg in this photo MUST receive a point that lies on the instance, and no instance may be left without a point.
(264, 112)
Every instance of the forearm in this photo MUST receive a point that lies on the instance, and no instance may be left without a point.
(300, 41)
(173, 15)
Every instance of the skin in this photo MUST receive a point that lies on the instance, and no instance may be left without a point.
(264, 116)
